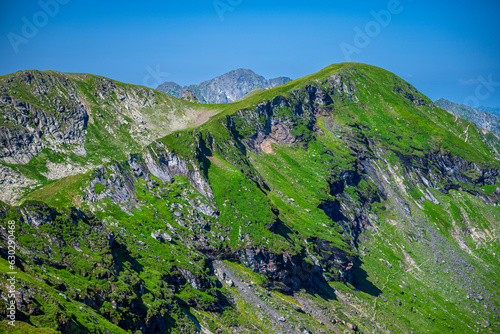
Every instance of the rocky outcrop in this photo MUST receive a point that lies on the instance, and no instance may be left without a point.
(48, 119)
(294, 271)
(444, 171)
(37, 214)
(116, 180)
(189, 96)
(353, 215)
(65, 168)
(288, 120)
(264, 125)
(338, 264)
(342, 86)
(291, 270)
(11, 183)
(164, 164)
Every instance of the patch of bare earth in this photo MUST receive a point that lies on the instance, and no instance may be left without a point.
(266, 145)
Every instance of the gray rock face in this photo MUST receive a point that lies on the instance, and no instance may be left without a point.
(38, 215)
(481, 118)
(171, 88)
(161, 236)
(156, 235)
(189, 96)
(195, 281)
(446, 172)
(50, 118)
(339, 264)
(116, 181)
(11, 182)
(165, 165)
(226, 88)
(206, 209)
(166, 236)
(294, 271)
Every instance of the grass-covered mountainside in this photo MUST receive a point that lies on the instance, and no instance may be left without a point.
(345, 201)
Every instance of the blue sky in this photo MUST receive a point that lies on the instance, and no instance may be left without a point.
(445, 48)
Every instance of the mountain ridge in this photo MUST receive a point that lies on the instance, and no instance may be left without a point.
(493, 110)
(79, 121)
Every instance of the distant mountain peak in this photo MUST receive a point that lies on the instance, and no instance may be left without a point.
(225, 88)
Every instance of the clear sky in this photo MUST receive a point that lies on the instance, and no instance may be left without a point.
(445, 48)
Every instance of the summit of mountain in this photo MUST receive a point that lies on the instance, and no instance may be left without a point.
(225, 88)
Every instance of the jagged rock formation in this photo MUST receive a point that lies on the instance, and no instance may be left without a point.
(27, 129)
(188, 95)
(482, 118)
(117, 180)
(226, 88)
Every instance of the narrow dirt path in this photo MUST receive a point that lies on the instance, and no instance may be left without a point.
(466, 133)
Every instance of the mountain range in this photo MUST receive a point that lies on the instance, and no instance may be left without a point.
(226, 88)
(345, 201)
(482, 118)
(493, 110)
